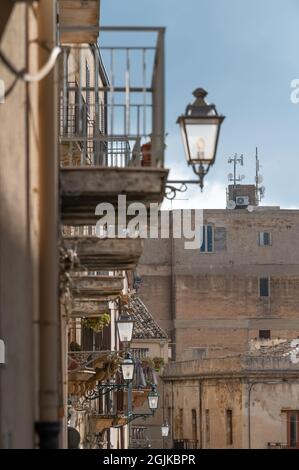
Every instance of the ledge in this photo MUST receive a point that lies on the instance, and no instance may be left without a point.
(83, 188)
(97, 254)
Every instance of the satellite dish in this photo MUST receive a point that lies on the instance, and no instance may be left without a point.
(262, 190)
(250, 208)
(231, 204)
(230, 176)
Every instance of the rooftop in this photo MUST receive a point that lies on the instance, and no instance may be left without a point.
(269, 358)
(145, 326)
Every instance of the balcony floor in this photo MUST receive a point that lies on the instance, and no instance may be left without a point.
(97, 254)
(83, 188)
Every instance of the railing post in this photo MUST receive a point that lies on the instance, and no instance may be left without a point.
(158, 85)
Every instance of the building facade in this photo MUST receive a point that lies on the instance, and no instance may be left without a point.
(71, 138)
(249, 401)
(239, 283)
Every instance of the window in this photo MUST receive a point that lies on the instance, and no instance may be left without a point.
(207, 245)
(264, 334)
(194, 425)
(293, 429)
(139, 353)
(229, 427)
(207, 422)
(265, 238)
(264, 287)
(181, 423)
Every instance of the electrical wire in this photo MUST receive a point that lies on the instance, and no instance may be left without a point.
(45, 69)
(26, 77)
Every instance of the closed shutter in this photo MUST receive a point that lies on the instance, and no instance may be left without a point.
(87, 339)
(261, 238)
(220, 239)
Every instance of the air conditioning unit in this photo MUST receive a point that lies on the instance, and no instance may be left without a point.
(242, 200)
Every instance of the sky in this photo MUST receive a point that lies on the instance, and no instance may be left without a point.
(245, 53)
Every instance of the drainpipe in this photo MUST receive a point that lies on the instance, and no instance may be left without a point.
(48, 425)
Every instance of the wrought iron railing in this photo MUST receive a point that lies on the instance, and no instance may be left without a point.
(117, 121)
(277, 445)
(185, 444)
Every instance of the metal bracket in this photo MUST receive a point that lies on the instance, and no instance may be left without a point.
(171, 190)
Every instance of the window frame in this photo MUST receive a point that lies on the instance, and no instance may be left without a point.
(204, 229)
(261, 238)
(289, 413)
(259, 287)
(229, 427)
(260, 336)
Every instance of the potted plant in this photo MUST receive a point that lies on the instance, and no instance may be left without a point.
(158, 363)
(97, 323)
(147, 362)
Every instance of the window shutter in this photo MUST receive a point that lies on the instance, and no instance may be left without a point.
(261, 238)
(209, 238)
(220, 239)
(203, 245)
(87, 338)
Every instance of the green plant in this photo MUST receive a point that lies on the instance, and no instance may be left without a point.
(97, 323)
(158, 363)
(147, 362)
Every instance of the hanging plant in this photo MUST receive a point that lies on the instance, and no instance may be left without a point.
(97, 323)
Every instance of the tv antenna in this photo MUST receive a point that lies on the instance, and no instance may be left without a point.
(259, 190)
(233, 177)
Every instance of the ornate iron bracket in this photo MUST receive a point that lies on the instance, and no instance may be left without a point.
(102, 389)
(171, 190)
(133, 416)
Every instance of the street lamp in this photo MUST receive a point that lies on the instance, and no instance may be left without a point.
(127, 368)
(165, 429)
(200, 129)
(125, 326)
(153, 398)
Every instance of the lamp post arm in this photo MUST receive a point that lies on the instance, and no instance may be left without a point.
(200, 171)
(133, 416)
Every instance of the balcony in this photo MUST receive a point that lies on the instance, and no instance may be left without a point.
(97, 287)
(86, 368)
(185, 444)
(277, 445)
(112, 132)
(99, 423)
(97, 254)
(89, 308)
(139, 438)
(83, 188)
(78, 21)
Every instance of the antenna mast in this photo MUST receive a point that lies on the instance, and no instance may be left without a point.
(259, 190)
(235, 160)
